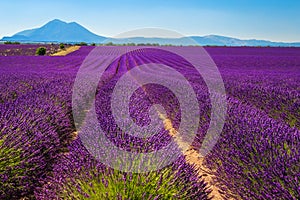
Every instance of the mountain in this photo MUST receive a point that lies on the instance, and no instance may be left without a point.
(57, 31)
(60, 31)
(229, 41)
(210, 40)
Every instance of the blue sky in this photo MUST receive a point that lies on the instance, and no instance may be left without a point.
(261, 19)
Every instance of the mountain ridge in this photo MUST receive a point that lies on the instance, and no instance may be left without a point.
(59, 31)
(56, 31)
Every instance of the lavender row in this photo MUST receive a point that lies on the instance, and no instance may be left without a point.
(36, 118)
(70, 172)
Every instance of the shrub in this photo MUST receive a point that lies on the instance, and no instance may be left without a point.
(110, 44)
(10, 171)
(10, 42)
(62, 46)
(81, 44)
(161, 184)
(40, 51)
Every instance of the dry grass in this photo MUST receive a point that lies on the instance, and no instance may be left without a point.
(64, 52)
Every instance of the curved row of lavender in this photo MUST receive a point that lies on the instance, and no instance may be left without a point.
(257, 156)
(37, 121)
(183, 184)
(36, 117)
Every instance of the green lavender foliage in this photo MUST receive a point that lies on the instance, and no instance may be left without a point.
(162, 184)
(10, 167)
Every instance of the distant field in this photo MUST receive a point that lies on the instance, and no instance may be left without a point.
(256, 157)
(27, 49)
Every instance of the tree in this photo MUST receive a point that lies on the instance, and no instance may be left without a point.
(10, 42)
(62, 46)
(83, 44)
(40, 51)
(110, 44)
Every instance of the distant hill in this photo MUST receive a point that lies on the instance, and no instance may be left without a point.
(229, 41)
(57, 31)
(210, 40)
(60, 31)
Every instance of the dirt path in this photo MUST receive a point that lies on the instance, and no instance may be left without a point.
(66, 51)
(192, 157)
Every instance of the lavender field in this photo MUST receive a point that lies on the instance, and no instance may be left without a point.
(257, 156)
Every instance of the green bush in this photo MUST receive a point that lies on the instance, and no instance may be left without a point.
(40, 51)
(81, 44)
(10, 42)
(110, 44)
(10, 171)
(119, 185)
(62, 46)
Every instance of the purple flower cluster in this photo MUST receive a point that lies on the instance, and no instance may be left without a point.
(79, 161)
(256, 157)
(35, 114)
(258, 154)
